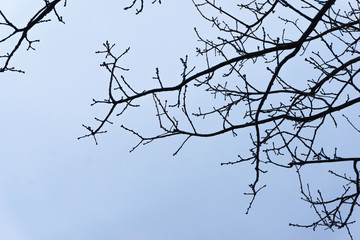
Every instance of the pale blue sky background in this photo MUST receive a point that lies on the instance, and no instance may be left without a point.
(54, 187)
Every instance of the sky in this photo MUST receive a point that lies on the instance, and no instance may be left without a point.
(53, 186)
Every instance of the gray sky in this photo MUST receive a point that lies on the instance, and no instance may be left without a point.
(53, 186)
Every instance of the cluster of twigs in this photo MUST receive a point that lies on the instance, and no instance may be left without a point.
(285, 112)
(141, 5)
(19, 35)
(287, 71)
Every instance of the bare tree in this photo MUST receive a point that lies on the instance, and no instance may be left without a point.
(286, 72)
(307, 54)
(18, 35)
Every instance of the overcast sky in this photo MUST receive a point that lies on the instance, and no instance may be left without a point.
(55, 187)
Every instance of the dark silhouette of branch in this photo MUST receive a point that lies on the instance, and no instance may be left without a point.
(286, 87)
(140, 3)
(22, 32)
